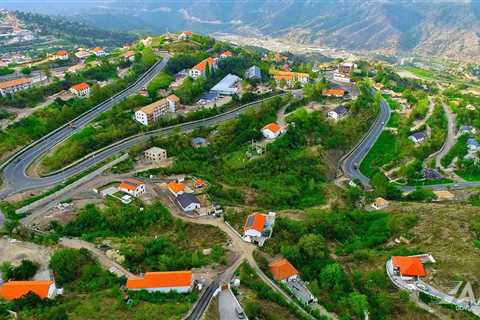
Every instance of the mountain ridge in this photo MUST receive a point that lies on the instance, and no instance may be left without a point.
(439, 27)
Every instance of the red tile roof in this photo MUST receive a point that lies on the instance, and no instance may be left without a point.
(62, 53)
(273, 127)
(161, 280)
(334, 92)
(257, 222)
(202, 65)
(176, 187)
(17, 289)
(282, 269)
(227, 53)
(81, 86)
(130, 184)
(409, 266)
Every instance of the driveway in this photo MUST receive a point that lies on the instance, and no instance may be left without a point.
(227, 304)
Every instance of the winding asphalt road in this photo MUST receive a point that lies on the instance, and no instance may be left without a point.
(18, 180)
(14, 170)
(352, 160)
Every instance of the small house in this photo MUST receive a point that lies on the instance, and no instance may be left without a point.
(466, 129)
(472, 144)
(431, 174)
(282, 270)
(380, 203)
(61, 55)
(334, 92)
(198, 142)
(253, 72)
(129, 56)
(155, 154)
(99, 52)
(178, 281)
(258, 227)
(338, 113)
(272, 131)
(44, 289)
(418, 137)
(81, 90)
(188, 202)
(185, 35)
(133, 187)
(346, 67)
(408, 267)
(226, 54)
(200, 69)
(176, 188)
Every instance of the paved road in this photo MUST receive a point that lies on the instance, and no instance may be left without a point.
(15, 170)
(451, 135)
(352, 161)
(227, 304)
(18, 180)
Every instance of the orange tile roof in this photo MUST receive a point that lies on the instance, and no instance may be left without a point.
(227, 53)
(17, 289)
(62, 53)
(97, 49)
(188, 33)
(176, 187)
(282, 269)
(273, 127)
(150, 108)
(334, 92)
(202, 65)
(14, 83)
(286, 77)
(130, 184)
(381, 202)
(409, 266)
(161, 280)
(258, 222)
(81, 86)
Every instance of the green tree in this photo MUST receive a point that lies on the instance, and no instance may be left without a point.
(359, 303)
(25, 271)
(66, 264)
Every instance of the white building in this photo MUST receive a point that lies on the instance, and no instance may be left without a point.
(12, 86)
(188, 202)
(227, 86)
(133, 187)
(200, 70)
(418, 137)
(340, 77)
(272, 131)
(337, 113)
(81, 90)
(45, 289)
(99, 52)
(61, 55)
(155, 154)
(179, 281)
(152, 112)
